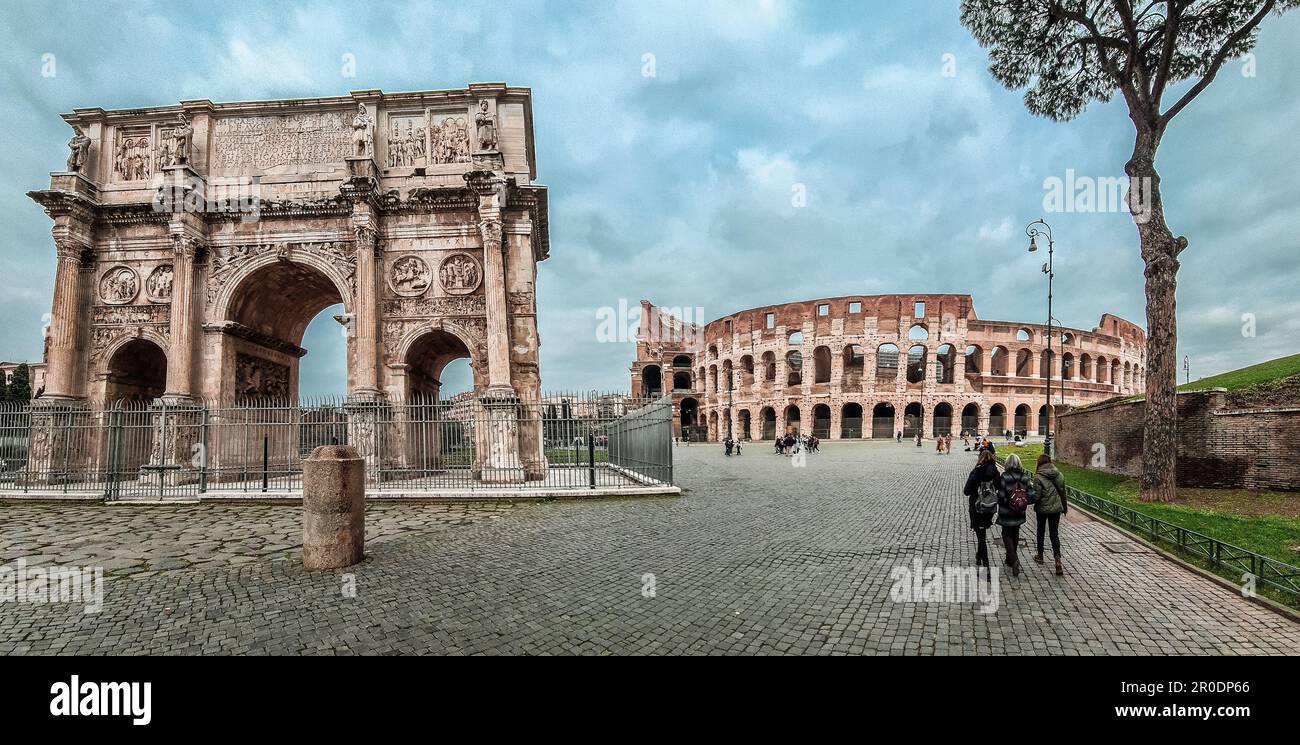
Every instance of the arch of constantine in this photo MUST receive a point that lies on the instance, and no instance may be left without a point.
(196, 242)
(874, 366)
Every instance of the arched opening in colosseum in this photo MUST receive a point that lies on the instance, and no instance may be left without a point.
(728, 378)
(970, 418)
(1024, 363)
(769, 366)
(682, 360)
(792, 419)
(882, 421)
(651, 381)
(850, 421)
(918, 332)
(681, 381)
(690, 417)
(1021, 426)
(998, 361)
(1115, 372)
(742, 417)
(1128, 378)
(794, 367)
(946, 360)
(997, 419)
(1085, 367)
(1100, 368)
(795, 338)
(822, 365)
(887, 362)
(854, 362)
(913, 419)
(768, 415)
(942, 421)
(1024, 335)
(974, 360)
(747, 371)
(821, 421)
(713, 351)
(1042, 420)
(1067, 366)
(1045, 361)
(1067, 338)
(137, 373)
(712, 379)
(916, 357)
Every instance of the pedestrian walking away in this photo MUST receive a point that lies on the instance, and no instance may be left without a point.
(1051, 506)
(982, 492)
(1015, 494)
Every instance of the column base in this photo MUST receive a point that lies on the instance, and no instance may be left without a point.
(499, 441)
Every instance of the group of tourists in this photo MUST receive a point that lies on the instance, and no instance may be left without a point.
(731, 445)
(795, 443)
(1005, 497)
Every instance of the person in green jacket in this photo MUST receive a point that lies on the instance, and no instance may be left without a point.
(1050, 485)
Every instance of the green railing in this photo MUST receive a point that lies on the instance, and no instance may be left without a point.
(1224, 558)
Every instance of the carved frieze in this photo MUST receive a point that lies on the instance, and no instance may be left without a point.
(409, 276)
(394, 331)
(131, 315)
(449, 139)
(265, 142)
(460, 274)
(406, 141)
(224, 261)
(435, 307)
(158, 287)
(119, 285)
(133, 154)
(522, 302)
(259, 378)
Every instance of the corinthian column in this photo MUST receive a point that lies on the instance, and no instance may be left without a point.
(64, 322)
(366, 311)
(180, 358)
(491, 190)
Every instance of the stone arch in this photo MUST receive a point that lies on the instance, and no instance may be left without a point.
(1085, 367)
(918, 332)
(769, 366)
(229, 289)
(1025, 363)
(791, 417)
(887, 361)
(427, 351)
(998, 361)
(882, 420)
(974, 360)
(682, 380)
(941, 421)
(682, 360)
(743, 429)
(1024, 334)
(1042, 420)
(970, 418)
(729, 378)
(652, 382)
(1067, 366)
(794, 367)
(747, 370)
(689, 417)
(1046, 361)
(768, 417)
(851, 421)
(821, 426)
(135, 369)
(946, 356)
(1021, 419)
(913, 419)
(997, 419)
(822, 365)
(917, 355)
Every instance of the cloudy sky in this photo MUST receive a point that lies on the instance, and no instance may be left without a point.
(674, 136)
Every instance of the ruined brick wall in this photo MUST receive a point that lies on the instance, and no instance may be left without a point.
(1221, 444)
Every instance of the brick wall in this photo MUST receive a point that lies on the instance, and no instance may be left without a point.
(1219, 445)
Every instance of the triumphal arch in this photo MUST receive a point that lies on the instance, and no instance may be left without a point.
(195, 243)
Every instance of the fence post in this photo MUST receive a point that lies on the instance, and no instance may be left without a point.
(203, 452)
(591, 458)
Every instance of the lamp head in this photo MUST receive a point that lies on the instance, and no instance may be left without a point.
(1033, 244)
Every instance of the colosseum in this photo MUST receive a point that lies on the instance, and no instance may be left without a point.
(874, 366)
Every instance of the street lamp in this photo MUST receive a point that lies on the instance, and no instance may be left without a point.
(1033, 230)
(1187, 368)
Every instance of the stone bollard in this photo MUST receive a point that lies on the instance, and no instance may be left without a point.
(333, 508)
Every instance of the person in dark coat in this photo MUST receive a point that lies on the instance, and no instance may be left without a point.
(1010, 519)
(986, 469)
(1051, 505)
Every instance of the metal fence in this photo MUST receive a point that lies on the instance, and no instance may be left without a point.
(153, 450)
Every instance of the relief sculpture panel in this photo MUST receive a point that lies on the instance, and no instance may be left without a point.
(266, 142)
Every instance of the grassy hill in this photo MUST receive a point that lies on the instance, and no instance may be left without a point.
(1248, 377)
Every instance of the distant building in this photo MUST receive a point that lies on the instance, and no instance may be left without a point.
(36, 371)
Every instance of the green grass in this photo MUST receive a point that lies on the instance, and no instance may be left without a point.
(1248, 377)
(1274, 536)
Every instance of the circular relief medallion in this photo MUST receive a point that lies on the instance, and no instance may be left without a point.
(158, 287)
(409, 276)
(460, 274)
(119, 285)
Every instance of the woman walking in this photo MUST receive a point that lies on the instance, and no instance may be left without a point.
(1015, 494)
(1051, 505)
(982, 489)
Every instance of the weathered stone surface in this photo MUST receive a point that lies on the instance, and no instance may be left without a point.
(334, 508)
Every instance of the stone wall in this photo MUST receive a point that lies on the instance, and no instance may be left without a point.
(1225, 440)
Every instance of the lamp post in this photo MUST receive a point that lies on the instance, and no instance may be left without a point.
(1033, 230)
(1187, 368)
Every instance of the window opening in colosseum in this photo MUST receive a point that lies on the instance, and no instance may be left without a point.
(913, 420)
(1042, 420)
(1024, 364)
(682, 360)
(1085, 367)
(713, 351)
(769, 423)
(854, 367)
(771, 320)
(919, 311)
(974, 360)
(942, 419)
(824, 309)
(795, 339)
(1045, 363)
(882, 421)
(769, 366)
(792, 420)
(690, 419)
(918, 333)
(997, 419)
(945, 363)
(794, 368)
(822, 422)
(887, 361)
(712, 380)
(742, 417)
(682, 381)
(998, 361)
(855, 307)
(1114, 373)
(651, 381)
(1024, 335)
(1067, 366)
(916, 363)
(822, 365)
(1067, 338)
(729, 378)
(851, 421)
(970, 418)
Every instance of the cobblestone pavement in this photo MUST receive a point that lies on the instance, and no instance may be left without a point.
(757, 557)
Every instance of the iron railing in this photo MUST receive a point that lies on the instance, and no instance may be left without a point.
(157, 450)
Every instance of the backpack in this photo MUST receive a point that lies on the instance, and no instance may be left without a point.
(1019, 498)
(986, 498)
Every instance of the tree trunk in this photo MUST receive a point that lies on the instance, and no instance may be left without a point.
(1160, 251)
